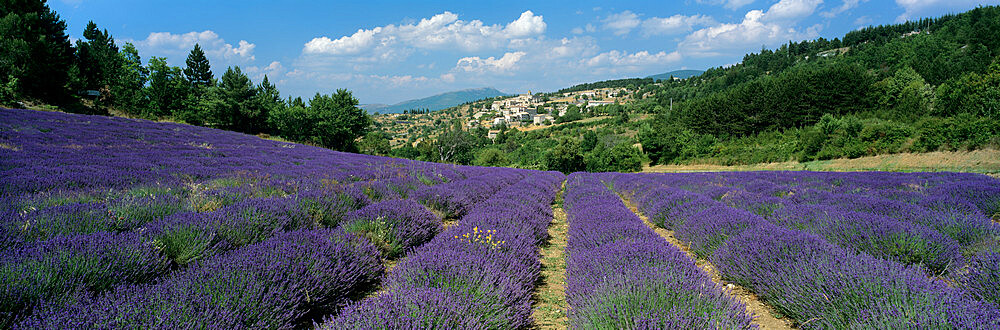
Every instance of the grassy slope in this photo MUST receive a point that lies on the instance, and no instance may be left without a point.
(979, 161)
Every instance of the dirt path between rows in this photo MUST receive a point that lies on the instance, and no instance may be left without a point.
(549, 310)
(762, 312)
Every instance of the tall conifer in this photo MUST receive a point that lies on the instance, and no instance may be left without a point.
(34, 49)
(198, 71)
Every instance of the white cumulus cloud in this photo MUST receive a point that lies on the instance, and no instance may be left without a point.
(674, 24)
(792, 10)
(621, 23)
(216, 48)
(728, 4)
(273, 71)
(847, 5)
(527, 25)
(616, 58)
(491, 64)
(624, 22)
(439, 32)
(352, 44)
(776, 25)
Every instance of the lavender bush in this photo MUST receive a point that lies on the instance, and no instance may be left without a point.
(983, 279)
(824, 286)
(279, 283)
(188, 209)
(620, 274)
(879, 236)
(881, 221)
(479, 272)
(52, 269)
(394, 225)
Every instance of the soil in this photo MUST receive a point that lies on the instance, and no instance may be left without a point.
(549, 310)
(764, 314)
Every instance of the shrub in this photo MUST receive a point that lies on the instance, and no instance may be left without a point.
(809, 279)
(255, 220)
(620, 274)
(8, 91)
(709, 229)
(983, 279)
(50, 270)
(879, 236)
(623, 157)
(394, 225)
(184, 237)
(284, 282)
(328, 207)
(413, 308)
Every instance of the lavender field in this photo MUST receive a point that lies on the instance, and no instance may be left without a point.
(118, 223)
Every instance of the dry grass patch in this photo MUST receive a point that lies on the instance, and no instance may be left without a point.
(549, 311)
(978, 161)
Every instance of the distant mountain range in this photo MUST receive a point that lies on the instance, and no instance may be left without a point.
(680, 74)
(436, 102)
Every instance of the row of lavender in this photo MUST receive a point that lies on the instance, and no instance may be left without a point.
(197, 213)
(620, 274)
(910, 218)
(865, 232)
(46, 152)
(277, 286)
(940, 221)
(477, 274)
(963, 191)
(825, 265)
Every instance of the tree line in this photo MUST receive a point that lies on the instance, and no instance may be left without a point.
(917, 86)
(39, 64)
(629, 83)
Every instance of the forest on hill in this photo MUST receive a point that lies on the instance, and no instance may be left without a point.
(919, 86)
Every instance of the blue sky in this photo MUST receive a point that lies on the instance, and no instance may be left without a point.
(390, 51)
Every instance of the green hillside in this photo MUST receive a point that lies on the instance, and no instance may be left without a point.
(915, 87)
(918, 86)
(438, 102)
(679, 74)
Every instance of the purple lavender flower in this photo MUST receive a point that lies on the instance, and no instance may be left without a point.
(394, 225)
(620, 274)
(280, 283)
(51, 269)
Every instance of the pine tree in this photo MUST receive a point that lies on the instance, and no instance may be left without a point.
(268, 101)
(198, 71)
(240, 110)
(36, 51)
(98, 59)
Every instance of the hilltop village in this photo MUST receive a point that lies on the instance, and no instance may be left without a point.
(524, 112)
